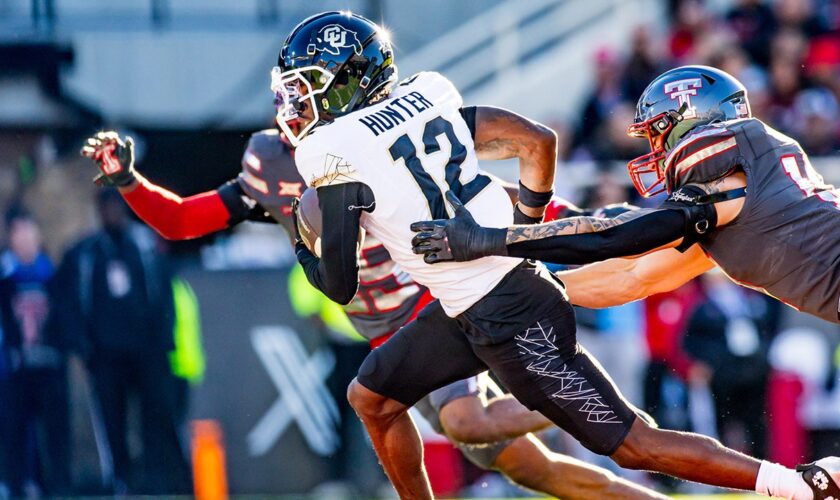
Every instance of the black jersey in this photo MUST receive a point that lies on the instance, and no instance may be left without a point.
(786, 240)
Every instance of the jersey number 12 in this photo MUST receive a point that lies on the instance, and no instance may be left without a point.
(405, 149)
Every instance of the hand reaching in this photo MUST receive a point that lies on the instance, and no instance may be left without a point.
(113, 156)
(457, 239)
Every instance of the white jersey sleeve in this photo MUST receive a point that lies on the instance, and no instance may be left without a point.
(410, 149)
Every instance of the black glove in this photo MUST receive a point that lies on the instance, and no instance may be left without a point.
(459, 239)
(114, 158)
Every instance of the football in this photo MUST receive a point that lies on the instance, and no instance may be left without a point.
(309, 222)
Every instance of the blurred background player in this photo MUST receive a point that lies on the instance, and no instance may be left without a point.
(117, 306)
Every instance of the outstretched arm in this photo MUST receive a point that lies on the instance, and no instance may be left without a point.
(178, 218)
(680, 221)
(172, 216)
(618, 281)
(577, 240)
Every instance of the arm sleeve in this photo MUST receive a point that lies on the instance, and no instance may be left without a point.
(634, 236)
(336, 274)
(635, 231)
(178, 218)
(468, 114)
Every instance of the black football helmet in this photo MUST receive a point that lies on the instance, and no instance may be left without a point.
(337, 62)
(674, 103)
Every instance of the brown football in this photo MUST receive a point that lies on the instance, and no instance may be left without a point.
(309, 222)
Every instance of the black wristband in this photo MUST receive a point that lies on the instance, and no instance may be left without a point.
(533, 199)
(123, 178)
(520, 217)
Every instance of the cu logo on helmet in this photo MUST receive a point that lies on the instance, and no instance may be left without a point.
(334, 37)
(682, 90)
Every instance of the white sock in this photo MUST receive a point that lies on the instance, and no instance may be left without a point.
(778, 481)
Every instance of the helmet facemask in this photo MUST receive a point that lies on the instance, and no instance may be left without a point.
(648, 171)
(293, 90)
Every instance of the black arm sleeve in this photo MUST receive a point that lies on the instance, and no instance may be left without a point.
(636, 236)
(241, 206)
(336, 273)
(468, 114)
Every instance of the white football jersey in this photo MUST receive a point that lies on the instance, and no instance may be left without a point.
(410, 149)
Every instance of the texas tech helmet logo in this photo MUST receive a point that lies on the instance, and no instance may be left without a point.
(334, 37)
(682, 90)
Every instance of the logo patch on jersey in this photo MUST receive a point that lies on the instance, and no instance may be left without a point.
(337, 170)
(290, 188)
(334, 37)
(682, 90)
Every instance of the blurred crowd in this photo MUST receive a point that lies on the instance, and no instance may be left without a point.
(109, 304)
(710, 357)
(786, 52)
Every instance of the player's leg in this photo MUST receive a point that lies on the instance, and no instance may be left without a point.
(463, 412)
(529, 463)
(426, 354)
(545, 368)
(476, 411)
(576, 394)
(686, 455)
(395, 440)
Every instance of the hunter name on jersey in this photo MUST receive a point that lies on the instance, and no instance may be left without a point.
(389, 117)
(409, 150)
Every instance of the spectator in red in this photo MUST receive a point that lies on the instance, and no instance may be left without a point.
(822, 62)
(691, 22)
(666, 315)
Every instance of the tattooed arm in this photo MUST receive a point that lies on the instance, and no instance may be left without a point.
(679, 222)
(581, 240)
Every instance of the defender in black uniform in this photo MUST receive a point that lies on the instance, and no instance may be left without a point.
(744, 193)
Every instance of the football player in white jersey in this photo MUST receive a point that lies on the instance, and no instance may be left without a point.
(491, 429)
(382, 156)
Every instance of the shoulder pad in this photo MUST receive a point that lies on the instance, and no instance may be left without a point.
(267, 144)
(433, 85)
(269, 175)
(705, 154)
